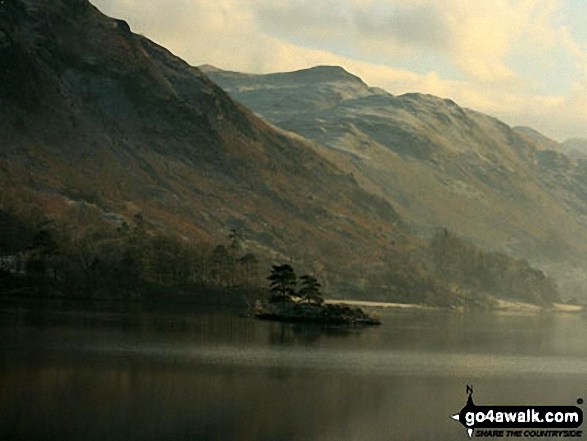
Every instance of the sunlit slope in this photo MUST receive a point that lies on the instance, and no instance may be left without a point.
(438, 163)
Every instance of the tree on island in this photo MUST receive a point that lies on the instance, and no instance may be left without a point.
(283, 281)
(310, 291)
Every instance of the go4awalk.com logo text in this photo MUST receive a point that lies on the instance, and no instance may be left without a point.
(520, 421)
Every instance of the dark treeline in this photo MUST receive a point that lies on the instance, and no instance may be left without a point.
(489, 273)
(452, 272)
(85, 257)
(116, 261)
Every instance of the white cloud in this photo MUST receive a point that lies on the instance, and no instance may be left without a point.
(484, 41)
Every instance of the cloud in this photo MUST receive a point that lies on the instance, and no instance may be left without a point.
(474, 35)
(419, 26)
(514, 59)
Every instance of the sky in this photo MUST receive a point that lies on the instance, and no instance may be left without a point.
(523, 61)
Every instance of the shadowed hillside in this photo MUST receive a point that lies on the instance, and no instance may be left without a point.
(96, 116)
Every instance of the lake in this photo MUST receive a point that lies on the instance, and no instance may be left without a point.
(95, 373)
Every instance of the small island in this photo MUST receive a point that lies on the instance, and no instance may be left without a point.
(306, 305)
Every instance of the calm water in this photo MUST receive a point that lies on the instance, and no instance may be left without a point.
(208, 375)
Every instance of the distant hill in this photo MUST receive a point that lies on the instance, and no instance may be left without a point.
(576, 147)
(436, 162)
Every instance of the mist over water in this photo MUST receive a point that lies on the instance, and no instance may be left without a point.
(209, 375)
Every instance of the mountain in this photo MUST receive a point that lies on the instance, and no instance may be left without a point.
(576, 147)
(439, 164)
(540, 141)
(98, 122)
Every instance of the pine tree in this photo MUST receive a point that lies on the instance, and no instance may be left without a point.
(310, 291)
(283, 281)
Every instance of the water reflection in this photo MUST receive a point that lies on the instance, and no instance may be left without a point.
(209, 375)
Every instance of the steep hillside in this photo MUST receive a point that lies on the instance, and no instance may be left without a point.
(438, 163)
(95, 119)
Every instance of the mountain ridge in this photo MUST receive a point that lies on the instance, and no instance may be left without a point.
(440, 165)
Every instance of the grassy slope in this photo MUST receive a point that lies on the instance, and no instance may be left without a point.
(439, 164)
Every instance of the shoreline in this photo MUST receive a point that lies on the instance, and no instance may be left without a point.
(379, 305)
(502, 306)
(236, 298)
